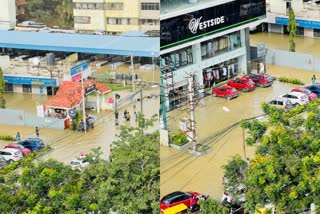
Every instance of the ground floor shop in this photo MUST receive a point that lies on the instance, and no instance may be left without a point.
(211, 62)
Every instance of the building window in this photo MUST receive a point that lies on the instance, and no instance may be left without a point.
(300, 31)
(114, 6)
(114, 21)
(26, 89)
(88, 6)
(150, 6)
(316, 33)
(82, 19)
(8, 87)
(148, 22)
(178, 58)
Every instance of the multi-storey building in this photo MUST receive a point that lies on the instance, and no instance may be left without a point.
(7, 14)
(116, 17)
(208, 39)
(306, 14)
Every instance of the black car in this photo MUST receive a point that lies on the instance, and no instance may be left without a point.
(314, 88)
(34, 144)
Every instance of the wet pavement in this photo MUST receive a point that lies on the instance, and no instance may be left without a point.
(182, 171)
(280, 41)
(67, 144)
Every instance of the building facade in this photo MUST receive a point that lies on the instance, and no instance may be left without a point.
(116, 17)
(7, 14)
(307, 17)
(206, 39)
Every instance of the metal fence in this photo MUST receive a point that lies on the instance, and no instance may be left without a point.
(22, 118)
(293, 60)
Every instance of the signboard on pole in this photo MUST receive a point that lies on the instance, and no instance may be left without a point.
(90, 89)
(75, 72)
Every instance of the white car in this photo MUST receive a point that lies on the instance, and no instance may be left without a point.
(296, 98)
(281, 102)
(11, 154)
(79, 163)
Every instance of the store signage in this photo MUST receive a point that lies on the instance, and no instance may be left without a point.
(90, 89)
(29, 81)
(300, 23)
(195, 25)
(78, 68)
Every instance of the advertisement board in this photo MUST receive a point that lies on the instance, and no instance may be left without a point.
(197, 24)
(29, 81)
(300, 23)
(77, 71)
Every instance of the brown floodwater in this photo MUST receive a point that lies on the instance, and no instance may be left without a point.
(182, 171)
(280, 41)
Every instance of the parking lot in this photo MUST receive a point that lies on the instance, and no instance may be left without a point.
(182, 171)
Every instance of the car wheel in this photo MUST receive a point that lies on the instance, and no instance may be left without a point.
(244, 90)
(10, 161)
(297, 104)
(228, 98)
(214, 94)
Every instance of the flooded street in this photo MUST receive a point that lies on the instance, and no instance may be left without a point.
(67, 144)
(182, 171)
(280, 41)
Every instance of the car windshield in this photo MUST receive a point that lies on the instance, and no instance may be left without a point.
(307, 91)
(17, 153)
(19, 146)
(74, 163)
(250, 82)
(304, 97)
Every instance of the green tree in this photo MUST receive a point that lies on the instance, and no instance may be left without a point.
(2, 100)
(292, 27)
(286, 169)
(211, 206)
(64, 12)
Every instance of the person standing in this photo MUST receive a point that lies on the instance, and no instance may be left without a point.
(313, 79)
(37, 131)
(128, 117)
(116, 115)
(18, 137)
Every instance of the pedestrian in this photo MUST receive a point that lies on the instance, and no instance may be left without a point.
(18, 137)
(313, 79)
(136, 116)
(37, 131)
(125, 114)
(128, 117)
(116, 115)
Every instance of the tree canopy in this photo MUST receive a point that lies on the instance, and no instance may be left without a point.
(292, 27)
(286, 169)
(127, 184)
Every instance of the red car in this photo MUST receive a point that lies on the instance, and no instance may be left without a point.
(307, 92)
(25, 151)
(225, 91)
(261, 80)
(244, 84)
(178, 197)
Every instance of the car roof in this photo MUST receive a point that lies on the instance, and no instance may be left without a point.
(173, 194)
(9, 150)
(296, 93)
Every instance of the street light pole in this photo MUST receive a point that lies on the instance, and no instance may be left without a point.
(132, 73)
(83, 103)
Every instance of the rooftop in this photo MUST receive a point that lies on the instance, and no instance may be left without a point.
(82, 43)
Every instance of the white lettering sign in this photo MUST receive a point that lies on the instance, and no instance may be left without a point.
(196, 24)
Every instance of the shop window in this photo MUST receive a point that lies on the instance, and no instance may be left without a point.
(82, 19)
(8, 87)
(220, 45)
(26, 88)
(178, 58)
(316, 33)
(300, 31)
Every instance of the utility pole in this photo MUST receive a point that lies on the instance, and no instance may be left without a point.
(244, 143)
(51, 77)
(193, 133)
(132, 73)
(83, 103)
(163, 97)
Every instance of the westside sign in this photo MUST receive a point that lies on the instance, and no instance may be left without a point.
(197, 24)
(194, 24)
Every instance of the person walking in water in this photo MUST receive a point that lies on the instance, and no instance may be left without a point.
(313, 79)
(18, 137)
(37, 131)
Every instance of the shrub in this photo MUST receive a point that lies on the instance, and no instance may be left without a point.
(7, 138)
(291, 80)
(178, 139)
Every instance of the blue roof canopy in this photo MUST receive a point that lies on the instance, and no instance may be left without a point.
(82, 43)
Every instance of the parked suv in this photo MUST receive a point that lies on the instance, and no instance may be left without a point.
(281, 102)
(244, 84)
(261, 80)
(296, 98)
(178, 197)
(25, 151)
(34, 144)
(307, 92)
(11, 155)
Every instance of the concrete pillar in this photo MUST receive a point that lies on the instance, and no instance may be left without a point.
(196, 54)
(164, 137)
(245, 42)
(98, 102)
